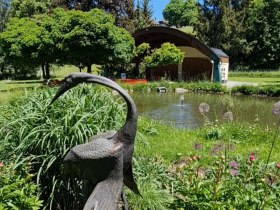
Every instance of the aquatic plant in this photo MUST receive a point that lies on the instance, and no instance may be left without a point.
(228, 116)
(276, 111)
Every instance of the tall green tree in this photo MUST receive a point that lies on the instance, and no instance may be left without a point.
(222, 24)
(69, 37)
(263, 34)
(4, 13)
(29, 8)
(142, 15)
(181, 13)
(120, 9)
(28, 43)
(92, 38)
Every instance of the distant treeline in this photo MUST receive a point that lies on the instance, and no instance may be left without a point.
(247, 30)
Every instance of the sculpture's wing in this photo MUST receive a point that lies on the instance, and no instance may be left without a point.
(108, 135)
(93, 160)
(106, 195)
(96, 149)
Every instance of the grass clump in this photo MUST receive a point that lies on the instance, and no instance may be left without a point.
(171, 86)
(268, 90)
(30, 131)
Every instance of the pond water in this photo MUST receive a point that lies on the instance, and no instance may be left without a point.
(167, 108)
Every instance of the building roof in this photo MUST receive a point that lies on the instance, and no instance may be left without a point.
(219, 52)
(156, 35)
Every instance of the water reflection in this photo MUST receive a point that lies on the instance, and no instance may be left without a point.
(170, 109)
(179, 115)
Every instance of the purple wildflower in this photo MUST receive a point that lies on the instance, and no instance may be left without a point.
(231, 147)
(228, 116)
(197, 146)
(203, 108)
(276, 108)
(234, 172)
(217, 148)
(234, 164)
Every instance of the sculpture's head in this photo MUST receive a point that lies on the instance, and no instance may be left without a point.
(69, 82)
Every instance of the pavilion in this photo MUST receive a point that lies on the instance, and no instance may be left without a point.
(200, 61)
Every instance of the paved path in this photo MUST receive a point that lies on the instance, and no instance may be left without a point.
(231, 84)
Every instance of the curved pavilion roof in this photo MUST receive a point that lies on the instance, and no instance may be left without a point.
(156, 35)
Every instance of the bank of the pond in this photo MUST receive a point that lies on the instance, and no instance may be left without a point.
(171, 86)
(208, 87)
(238, 139)
(196, 87)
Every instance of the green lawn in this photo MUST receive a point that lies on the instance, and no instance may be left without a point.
(12, 85)
(258, 80)
(59, 72)
(169, 143)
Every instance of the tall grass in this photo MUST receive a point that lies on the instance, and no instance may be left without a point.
(31, 131)
(171, 86)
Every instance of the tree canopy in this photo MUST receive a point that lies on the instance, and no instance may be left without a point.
(92, 38)
(4, 13)
(263, 34)
(68, 37)
(248, 31)
(181, 13)
(29, 8)
(121, 10)
(167, 54)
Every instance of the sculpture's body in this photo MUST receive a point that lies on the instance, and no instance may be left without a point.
(106, 160)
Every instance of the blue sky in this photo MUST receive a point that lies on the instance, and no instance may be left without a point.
(158, 6)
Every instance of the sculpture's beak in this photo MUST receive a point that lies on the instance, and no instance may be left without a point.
(63, 88)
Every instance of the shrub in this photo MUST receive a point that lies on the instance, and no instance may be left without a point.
(33, 132)
(153, 181)
(269, 90)
(192, 86)
(17, 191)
(215, 186)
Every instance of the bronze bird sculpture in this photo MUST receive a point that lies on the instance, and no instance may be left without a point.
(106, 159)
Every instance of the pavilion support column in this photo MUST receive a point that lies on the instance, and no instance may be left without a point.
(180, 67)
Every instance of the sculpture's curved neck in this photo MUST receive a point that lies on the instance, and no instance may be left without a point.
(128, 131)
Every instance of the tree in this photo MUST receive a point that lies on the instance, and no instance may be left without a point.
(263, 34)
(222, 24)
(4, 13)
(181, 13)
(29, 43)
(167, 54)
(29, 8)
(72, 37)
(92, 38)
(142, 17)
(147, 11)
(120, 9)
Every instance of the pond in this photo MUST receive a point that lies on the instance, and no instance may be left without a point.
(167, 108)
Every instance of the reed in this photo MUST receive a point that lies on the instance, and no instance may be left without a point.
(31, 131)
